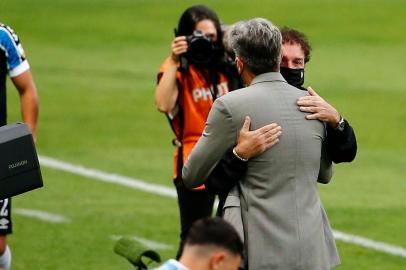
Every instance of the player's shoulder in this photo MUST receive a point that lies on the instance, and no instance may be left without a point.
(7, 34)
(5, 28)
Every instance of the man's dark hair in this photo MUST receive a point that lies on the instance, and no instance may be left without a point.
(293, 36)
(215, 232)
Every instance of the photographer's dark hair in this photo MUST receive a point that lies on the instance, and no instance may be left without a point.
(195, 14)
(292, 36)
(186, 26)
(215, 232)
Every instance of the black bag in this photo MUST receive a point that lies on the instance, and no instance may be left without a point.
(19, 167)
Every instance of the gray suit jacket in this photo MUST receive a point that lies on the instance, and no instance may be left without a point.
(284, 222)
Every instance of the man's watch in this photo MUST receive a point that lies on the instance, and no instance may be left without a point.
(341, 124)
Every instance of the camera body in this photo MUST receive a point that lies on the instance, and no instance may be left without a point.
(19, 166)
(201, 48)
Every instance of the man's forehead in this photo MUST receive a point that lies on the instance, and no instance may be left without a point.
(292, 43)
(292, 48)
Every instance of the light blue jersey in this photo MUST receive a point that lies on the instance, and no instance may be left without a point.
(172, 265)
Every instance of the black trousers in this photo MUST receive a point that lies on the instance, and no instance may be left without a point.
(193, 205)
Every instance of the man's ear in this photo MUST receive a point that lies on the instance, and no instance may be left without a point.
(217, 260)
(240, 64)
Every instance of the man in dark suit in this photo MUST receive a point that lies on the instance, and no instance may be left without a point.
(281, 209)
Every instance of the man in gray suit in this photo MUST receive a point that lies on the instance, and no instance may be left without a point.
(284, 224)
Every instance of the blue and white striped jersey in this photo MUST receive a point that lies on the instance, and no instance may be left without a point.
(12, 62)
(13, 51)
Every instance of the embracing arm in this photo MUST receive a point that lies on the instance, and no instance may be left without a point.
(341, 145)
(218, 136)
(231, 169)
(326, 166)
(226, 174)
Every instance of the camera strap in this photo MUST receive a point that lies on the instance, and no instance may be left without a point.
(212, 79)
(177, 141)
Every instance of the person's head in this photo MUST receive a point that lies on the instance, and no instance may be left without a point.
(257, 46)
(295, 48)
(201, 18)
(226, 29)
(295, 54)
(211, 244)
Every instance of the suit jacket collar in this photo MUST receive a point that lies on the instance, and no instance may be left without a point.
(268, 77)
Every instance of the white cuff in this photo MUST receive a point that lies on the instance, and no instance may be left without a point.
(237, 156)
(21, 68)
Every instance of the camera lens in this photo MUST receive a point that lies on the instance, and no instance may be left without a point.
(200, 48)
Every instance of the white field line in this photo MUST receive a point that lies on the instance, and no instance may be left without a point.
(145, 242)
(107, 177)
(368, 243)
(41, 215)
(170, 192)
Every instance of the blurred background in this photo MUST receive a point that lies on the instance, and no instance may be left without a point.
(95, 66)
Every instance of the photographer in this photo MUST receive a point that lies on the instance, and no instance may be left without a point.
(189, 81)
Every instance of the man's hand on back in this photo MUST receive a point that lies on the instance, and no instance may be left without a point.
(319, 108)
(253, 143)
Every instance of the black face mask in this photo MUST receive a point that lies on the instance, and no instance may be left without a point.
(294, 77)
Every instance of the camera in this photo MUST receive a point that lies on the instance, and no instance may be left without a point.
(201, 48)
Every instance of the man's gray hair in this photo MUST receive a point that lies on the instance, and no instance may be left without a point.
(258, 43)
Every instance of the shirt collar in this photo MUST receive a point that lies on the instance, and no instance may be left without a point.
(268, 77)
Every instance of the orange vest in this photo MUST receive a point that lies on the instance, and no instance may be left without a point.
(194, 102)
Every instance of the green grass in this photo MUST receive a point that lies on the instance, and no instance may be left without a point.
(95, 65)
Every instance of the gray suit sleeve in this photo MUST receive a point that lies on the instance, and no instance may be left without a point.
(326, 166)
(218, 135)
